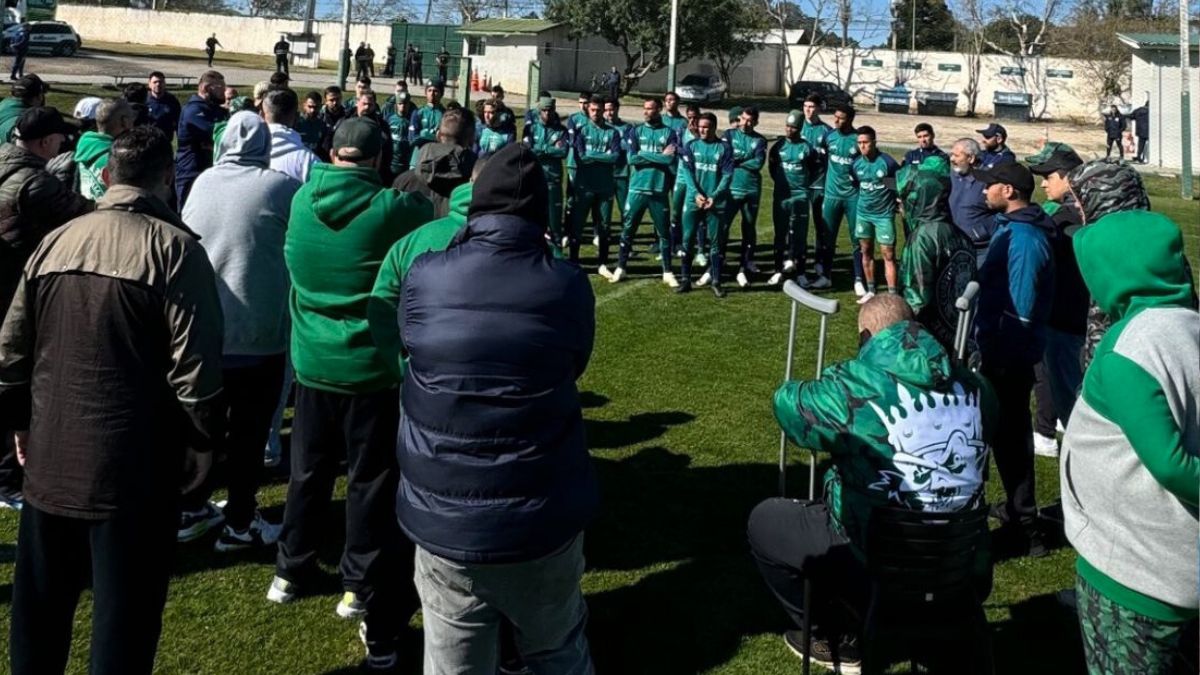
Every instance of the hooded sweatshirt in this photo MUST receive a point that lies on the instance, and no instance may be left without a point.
(1130, 467)
(91, 156)
(905, 426)
(240, 209)
(343, 223)
(289, 154)
(1016, 289)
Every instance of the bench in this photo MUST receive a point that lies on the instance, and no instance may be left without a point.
(180, 80)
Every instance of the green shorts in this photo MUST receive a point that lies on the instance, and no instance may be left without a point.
(880, 228)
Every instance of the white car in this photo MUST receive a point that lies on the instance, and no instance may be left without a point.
(57, 38)
(697, 88)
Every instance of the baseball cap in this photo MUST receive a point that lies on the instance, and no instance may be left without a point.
(993, 129)
(356, 139)
(795, 119)
(86, 108)
(734, 113)
(1008, 173)
(37, 123)
(1053, 157)
(545, 103)
(436, 84)
(29, 85)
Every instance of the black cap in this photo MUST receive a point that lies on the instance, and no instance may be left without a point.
(29, 85)
(357, 139)
(993, 129)
(40, 122)
(1052, 158)
(1008, 173)
(512, 183)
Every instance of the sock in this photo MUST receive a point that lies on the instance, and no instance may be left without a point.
(892, 290)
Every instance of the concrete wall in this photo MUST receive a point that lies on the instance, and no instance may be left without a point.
(1156, 75)
(236, 33)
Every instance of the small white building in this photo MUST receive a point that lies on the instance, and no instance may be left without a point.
(503, 49)
(1156, 77)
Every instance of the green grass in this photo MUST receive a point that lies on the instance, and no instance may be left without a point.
(680, 428)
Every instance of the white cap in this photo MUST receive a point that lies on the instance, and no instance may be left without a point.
(86, 108)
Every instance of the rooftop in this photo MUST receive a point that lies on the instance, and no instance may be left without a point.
(508, 27)
(1158, 41)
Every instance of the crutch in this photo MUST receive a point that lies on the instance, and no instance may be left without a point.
(825, 307)
(965, 304)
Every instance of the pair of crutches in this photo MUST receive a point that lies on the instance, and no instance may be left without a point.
(825, 307)
(965, 304)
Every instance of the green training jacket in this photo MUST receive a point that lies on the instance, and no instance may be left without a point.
(791, 167)
(707, 170)
(549, 144)
(840, 151)
(749, 155)
(646, 144)
(597, 147)
(815, 135)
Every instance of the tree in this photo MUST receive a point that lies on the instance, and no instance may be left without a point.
(741, 33)
(1090, 35)
(971, 37)
(935, 26)
(283, 9)
(1022, 30)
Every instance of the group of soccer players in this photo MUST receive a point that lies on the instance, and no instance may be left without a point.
(695, 179)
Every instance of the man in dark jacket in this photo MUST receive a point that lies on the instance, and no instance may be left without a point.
(202, 111)
(162, 106)
(1114, 124)
(282, 50)
(1016, 293)
(926, 147)
(496, 481)
(1141, 121)
(995, 146)
(442, 166)
(32, 203)
(116, 322)
(968, 208)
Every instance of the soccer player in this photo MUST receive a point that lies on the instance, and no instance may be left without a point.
(749, 154)
(790, 164)
(925, 146)
(679, 123)
(612, 115)
(425, 121)
(596, 146)
(547, 137)
(814, 131)
(706, 168)
(494, 135)
(874, 174)
(652, 148)
(841, 194)
(735, 118)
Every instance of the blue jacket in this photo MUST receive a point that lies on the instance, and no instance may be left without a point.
(493, 462)
(164, 112)
(1016, 289)
(969, 209)
(195, 153)
(918, 155)
(991, 158)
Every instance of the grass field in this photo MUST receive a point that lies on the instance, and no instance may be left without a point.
(679, 423)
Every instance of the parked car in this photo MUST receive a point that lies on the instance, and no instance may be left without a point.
(56, 38)
(697, 88)
(830, 94)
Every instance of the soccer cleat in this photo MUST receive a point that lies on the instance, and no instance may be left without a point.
(866, 297)
(718, 291)
(380, 659)
(566, 241)
(704, 279)
(258, 534)
(1045, 446)
(617, 275)
(596, 241)
(603, 271)
(847, 661)
(751, 267)
(821, 282)
(700, 260)
(775, 279)
(351, 606)
(196, 524)
(859, 289)
(670, 280)
(742, 279)
(788, 266)
(281, 591)
(12, 501)
(685, 286)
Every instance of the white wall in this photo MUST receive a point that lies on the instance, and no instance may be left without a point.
(237, 34)
(506, 61)
(1156, 74)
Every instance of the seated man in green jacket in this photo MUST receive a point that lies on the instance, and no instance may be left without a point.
(907, 430)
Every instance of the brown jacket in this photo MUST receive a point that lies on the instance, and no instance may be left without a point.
(111, 356)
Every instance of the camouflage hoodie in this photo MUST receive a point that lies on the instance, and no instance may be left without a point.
(906, 428)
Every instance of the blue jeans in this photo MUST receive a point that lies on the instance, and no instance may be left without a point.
(464, 604)
(1064, 370)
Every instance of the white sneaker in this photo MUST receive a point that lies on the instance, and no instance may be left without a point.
(351, 606)
(617, 275)
(821, 282)
(681, 254)
(596, 241)
(742, 279)
(1045, 446)
(865, 298)
(789, 265)
(566, 241)
(670, 280)
(1058, 426)
(859, 289)
(281, 591)
(704, 279)
(258, 534)
(603, 271)
(700, 260)
(775, 279)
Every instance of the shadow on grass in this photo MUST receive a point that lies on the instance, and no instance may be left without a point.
(1031, 622)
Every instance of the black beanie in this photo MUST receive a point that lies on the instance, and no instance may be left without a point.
(511, 183)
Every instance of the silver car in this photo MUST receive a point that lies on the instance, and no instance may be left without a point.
(697, 88)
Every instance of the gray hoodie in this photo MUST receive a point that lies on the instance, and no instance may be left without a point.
(240, 209)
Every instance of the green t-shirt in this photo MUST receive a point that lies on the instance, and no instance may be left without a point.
(841, 150)
(876, 194)
(790, 165)
(646, 144)
(749, 155)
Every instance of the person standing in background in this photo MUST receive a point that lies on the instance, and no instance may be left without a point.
(200, 114)
(161, 105)
(19, 44)
(443, 64)
(745, 193)
(814, 133)
(282, 50)
(1141, 121)
(1114, 123)
(210, 47)
(547, 138)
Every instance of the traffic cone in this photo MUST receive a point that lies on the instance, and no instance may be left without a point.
(475, 80)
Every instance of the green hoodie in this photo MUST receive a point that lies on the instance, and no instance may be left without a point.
(343, 223)
(11, 110)
(385, 298)
(91, 156)
(906, 428)
(1130, 469)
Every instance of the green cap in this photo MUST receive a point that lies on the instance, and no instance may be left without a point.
(1054, 156)
(545, 103)
(240, 103)
(795, 119)
(357, 139)
(734, 113)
